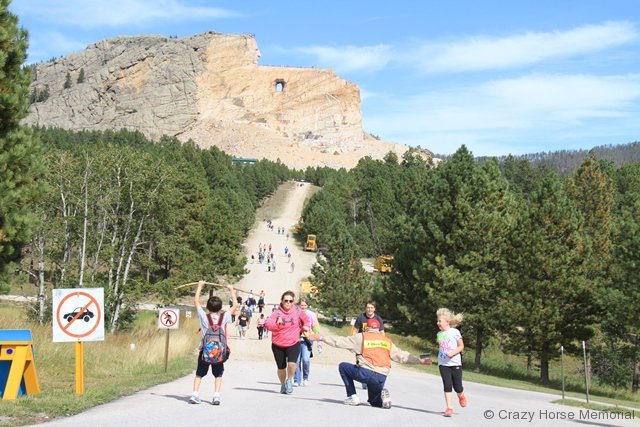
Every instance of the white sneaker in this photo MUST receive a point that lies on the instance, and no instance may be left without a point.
(216, 399)
(195, 399)
(386, 399)
(352, 400)
(305, 383)
(296, 384)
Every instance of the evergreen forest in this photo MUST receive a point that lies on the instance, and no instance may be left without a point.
(534, 259)
(137, 217)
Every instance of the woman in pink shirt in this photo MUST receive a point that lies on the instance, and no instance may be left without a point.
(287, 323)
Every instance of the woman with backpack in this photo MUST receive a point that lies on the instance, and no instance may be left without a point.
(287, 323)
(214, 319)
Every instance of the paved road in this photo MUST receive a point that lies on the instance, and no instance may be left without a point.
(250, 397)
(250, 391)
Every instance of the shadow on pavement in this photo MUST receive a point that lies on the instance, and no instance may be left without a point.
(173, 396)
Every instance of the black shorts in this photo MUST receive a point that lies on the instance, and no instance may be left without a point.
(285, 354)
(451, 378)
(203, 368)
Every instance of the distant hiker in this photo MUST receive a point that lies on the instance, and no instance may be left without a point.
(243, 324)
(214, 306)
(261, 322)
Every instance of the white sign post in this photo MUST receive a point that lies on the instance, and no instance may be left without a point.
(78, 316)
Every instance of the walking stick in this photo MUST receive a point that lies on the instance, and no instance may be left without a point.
(211, 284)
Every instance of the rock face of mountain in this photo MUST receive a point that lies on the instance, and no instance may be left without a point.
(208, 88)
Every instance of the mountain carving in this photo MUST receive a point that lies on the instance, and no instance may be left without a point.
(208, 88)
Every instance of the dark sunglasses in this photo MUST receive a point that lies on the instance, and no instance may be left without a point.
(287, 300)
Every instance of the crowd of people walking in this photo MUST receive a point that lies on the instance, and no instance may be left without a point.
(294, 328)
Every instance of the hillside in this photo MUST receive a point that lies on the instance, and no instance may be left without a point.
(208, 88)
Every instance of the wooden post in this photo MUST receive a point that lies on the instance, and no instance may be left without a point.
(166, 351)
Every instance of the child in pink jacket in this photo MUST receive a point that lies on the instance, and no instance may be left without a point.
(287, 323)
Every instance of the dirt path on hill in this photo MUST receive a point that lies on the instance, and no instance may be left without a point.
(284, 210)
(292, 196)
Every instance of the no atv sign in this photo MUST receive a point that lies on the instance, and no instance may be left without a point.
(78, 315)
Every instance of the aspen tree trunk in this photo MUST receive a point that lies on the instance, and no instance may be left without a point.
(95, 259)
(114, 232)
(83, 240)
(37, 243)
(41, 285)
(66, 244)
(125, 276)
(117, 286)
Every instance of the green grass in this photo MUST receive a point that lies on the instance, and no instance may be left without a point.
(273, 205)
(111, 368)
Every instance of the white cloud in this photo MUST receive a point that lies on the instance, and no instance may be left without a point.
(350, 58)
(88, 14)
(566, 97)
(493, 117)
(486, 53)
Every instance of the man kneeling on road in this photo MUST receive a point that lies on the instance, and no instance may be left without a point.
(374, 352)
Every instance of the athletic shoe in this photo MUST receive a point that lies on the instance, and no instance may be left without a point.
(352, 400)
(462, 399)
(288, 386)
(216, 400)
(195, 399)
(448, 412)
(386, 399)
(283, 389)
(305, 383)
(296, 384)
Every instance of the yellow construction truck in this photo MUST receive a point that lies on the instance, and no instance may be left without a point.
(306, 288)
(311, 244)
(383, 263)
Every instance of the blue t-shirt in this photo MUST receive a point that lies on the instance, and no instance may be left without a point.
(204, 322)
(448, 340)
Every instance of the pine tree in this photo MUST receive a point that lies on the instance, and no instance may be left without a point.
(343, 285)
(81, 76)
(552, 300)
(67, 81)
(19, 167)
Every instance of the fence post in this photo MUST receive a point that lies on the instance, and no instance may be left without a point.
(586, 374)
(562, 368)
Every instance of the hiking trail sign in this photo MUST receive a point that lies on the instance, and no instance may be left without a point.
(78, 314)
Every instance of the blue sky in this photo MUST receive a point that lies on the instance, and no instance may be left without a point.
(501, 77)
